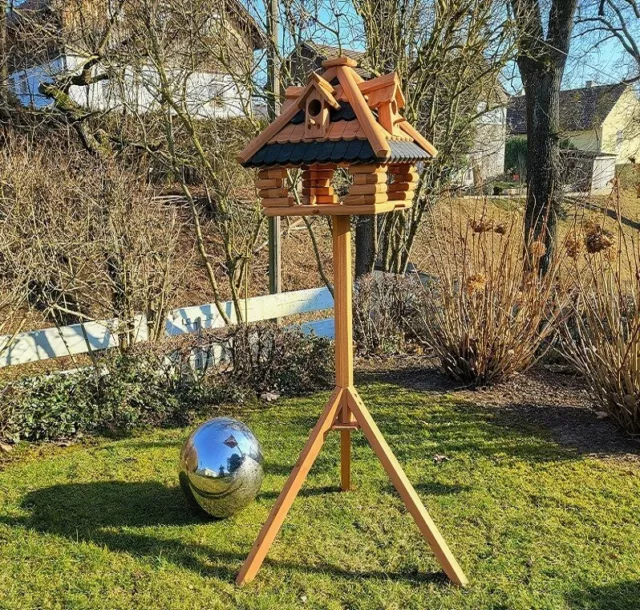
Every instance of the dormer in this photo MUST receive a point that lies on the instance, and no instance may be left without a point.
(385, 95)
(316, 102)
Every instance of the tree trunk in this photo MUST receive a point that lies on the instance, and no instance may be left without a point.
(541, 61)
(366, 248)
(544, 189)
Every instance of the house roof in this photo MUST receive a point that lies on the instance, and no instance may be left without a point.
(580, 109)
(258, 35)
(354, 133)
(236, 7)
(324, 52)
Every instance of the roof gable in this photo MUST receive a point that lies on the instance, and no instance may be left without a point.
(580, 109)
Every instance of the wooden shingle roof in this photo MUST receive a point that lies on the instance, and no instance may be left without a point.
(363, 124)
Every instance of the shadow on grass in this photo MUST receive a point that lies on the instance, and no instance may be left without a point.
(623, 595)
(104, 513)
(520, 411)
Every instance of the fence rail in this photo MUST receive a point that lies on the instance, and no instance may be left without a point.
(76, 339)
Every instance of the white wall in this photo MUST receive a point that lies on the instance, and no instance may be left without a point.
(208, 95)
(486, 157)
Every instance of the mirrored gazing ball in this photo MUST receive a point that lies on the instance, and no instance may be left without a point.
(221, 466)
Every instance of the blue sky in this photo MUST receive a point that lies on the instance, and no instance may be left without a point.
(605, 64)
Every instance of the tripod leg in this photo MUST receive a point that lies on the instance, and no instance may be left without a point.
(408, 494)
(288, 494)
(345, 460)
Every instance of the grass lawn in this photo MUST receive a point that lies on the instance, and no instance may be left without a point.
(533, 523)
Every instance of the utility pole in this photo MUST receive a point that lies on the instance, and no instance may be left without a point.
(4, 59)
(273, 109)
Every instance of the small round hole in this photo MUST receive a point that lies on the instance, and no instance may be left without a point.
(315, 106)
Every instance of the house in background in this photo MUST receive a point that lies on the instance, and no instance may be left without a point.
(212, 92)
(486, 156)
(308, 56)
(599, 127)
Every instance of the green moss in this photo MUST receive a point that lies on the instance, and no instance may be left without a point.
(533, 523)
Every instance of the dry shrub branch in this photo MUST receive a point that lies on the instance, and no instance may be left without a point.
(81, 239)
(488, 313)
(602, 339)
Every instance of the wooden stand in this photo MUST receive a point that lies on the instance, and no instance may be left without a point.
(346, 412)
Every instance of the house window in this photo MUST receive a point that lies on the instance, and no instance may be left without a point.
(619, 140)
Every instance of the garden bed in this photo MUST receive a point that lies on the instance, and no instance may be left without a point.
(535, 520)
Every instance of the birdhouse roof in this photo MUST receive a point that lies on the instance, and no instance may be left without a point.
(354, 133)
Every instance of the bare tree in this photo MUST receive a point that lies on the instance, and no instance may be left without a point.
(145, 67)
(448, 56)
(83, 239)
(542, 55)
(613, 19)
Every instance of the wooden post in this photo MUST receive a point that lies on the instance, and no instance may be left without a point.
(273, 108)
(345, 412)
(280, 509)
(343, 287)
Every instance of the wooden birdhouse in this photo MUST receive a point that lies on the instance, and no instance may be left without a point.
(339, 120)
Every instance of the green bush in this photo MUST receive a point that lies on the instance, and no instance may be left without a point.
(154, 384)
(267, 357)
(50, 407)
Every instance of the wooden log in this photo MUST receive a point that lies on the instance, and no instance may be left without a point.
(325, 174)
(395, 187)
(402, 168)
(272, 183)
(271, 173)
(276, 202)
(316, 184)
(405, 173)
(273, 193)
(326, 199)
(318, 191)
(401, 196)
(406, 177)
(365, 199)
(376, 178)
(367, 189)
(367, 168)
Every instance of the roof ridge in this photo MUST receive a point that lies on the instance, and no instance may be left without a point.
(304, 136)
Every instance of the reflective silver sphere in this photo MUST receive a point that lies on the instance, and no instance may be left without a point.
(221, 466)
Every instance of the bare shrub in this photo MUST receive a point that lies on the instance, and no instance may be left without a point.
(487, 311)
(603, 339)
(82, 239)
(384, 312)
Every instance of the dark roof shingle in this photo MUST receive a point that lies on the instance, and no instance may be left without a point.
(354, 151)
(580, 109)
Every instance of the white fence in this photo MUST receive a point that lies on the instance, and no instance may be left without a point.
(83, 338)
